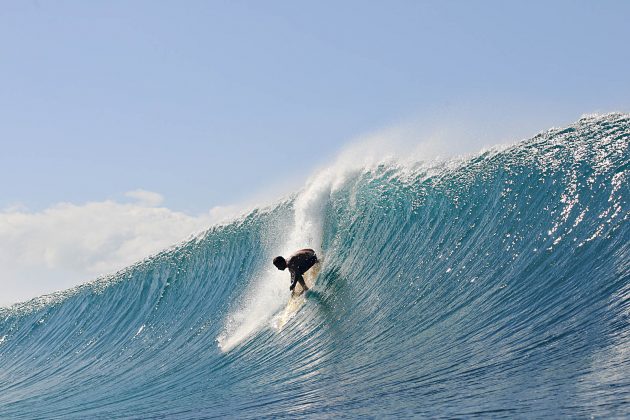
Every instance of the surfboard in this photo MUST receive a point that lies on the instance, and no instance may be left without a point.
(297, 299)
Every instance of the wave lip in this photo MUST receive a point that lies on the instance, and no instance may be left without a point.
(496, 285)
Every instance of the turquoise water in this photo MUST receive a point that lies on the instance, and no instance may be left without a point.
(493, 286)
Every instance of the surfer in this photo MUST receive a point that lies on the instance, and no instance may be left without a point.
(298, 264)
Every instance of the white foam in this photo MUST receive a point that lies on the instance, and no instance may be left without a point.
(269, 291)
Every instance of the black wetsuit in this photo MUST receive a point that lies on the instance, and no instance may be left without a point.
(298, 264)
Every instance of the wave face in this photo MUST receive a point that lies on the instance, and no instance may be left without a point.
(494, 286)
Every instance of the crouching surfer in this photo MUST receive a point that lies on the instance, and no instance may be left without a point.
(298, 263)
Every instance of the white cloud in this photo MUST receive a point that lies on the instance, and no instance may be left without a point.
(68, 244)
(147, 198)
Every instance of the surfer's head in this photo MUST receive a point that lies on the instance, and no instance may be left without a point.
(280, 263)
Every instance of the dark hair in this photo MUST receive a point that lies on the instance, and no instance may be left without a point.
(280, 263)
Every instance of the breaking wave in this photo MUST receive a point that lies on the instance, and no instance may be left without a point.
(496, 285)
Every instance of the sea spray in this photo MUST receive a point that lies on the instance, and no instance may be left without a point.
(267, 291)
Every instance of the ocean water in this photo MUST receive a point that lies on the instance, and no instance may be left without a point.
(496, 285)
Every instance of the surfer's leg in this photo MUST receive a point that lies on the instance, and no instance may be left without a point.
(301, 280)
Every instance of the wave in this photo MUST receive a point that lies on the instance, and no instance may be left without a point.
(495, 285)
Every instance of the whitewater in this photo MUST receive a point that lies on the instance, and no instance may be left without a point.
(495, 285)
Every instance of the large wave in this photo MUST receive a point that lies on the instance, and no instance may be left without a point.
(496, 285)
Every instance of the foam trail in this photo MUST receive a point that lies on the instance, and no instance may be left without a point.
(269, 291)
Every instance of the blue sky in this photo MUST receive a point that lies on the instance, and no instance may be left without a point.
(206, 103)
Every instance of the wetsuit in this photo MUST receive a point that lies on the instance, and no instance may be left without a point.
(298, 264)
